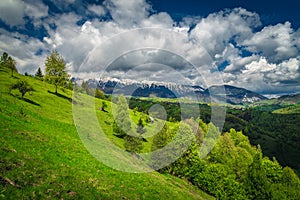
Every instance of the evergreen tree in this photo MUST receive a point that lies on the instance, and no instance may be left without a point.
(104, 106)
(140, 127)
(39, 74)
(160, 139)
(4, 57)
(133, 143)
(56, 70)
(122, 123)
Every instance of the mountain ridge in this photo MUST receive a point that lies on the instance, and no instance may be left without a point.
(233, 95)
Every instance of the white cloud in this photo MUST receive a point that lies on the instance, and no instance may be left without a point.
(97, 10)
(129, 13)
(238, 63)
(27, 60)
(271, 65)
(287, 71)
(268, 78)
(36, 10)
(215, 31)
(160, 20)
(277, 42)
(12, 12)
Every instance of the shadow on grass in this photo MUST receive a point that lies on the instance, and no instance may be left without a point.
(61, 96)
(2, 70)
(31, 102)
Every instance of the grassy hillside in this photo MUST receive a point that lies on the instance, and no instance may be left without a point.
(292, 109)
(43, 157)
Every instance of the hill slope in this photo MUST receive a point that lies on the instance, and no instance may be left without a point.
(43, 157)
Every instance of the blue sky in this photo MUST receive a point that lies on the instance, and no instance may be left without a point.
(253, 44)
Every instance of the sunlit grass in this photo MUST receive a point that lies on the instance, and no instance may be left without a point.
(42, 156)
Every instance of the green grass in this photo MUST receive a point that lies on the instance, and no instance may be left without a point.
(42, 156)
(292, 109)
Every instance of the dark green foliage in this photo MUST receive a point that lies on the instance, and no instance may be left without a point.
(104, 106)
(87, 89)
(256, 182)
(99, 94)
(133, 143)
(23, 87)
(56, 70)
(233, 169)
(39, 74)
(160, 140)
(122, 123)
(140, 127)
(4, 57)
(11, 64)
(173, 109)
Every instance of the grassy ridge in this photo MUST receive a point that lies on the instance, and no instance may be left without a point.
(43, 157)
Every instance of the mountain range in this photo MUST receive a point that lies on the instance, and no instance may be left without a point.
(224, 93)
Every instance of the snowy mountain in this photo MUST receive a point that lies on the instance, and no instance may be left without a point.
(232, 95)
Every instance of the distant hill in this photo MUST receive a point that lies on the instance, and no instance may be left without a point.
(286, 104)
(233, 95)
(291, 98)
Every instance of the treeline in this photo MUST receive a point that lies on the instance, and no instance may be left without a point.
(278, 134)
(55, 74)
(234, 169)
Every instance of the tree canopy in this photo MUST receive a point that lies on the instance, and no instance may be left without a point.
(23, 87)
(11, 64)
(56, 72)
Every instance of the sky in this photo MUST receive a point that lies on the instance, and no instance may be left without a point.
(250, 44)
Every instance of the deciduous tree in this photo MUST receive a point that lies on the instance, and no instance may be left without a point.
(56, 72)
(23, 87)
(11, 64)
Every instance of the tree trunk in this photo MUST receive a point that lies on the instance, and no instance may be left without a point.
(56, 89)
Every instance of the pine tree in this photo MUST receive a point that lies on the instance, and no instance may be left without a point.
(39, 74)
(4, 57)
(122, 123)
(133, 143)
(160, 140)
(140, 127)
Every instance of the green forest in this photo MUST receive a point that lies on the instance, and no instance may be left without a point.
(42, 156)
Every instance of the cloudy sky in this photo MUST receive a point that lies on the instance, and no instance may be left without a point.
(249, 44)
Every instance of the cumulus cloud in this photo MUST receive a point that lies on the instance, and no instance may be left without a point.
(26, 57)
(97, 10)
(277, 42)
(137, 42)
(129, 13)
(216, 30)
(12, 12)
